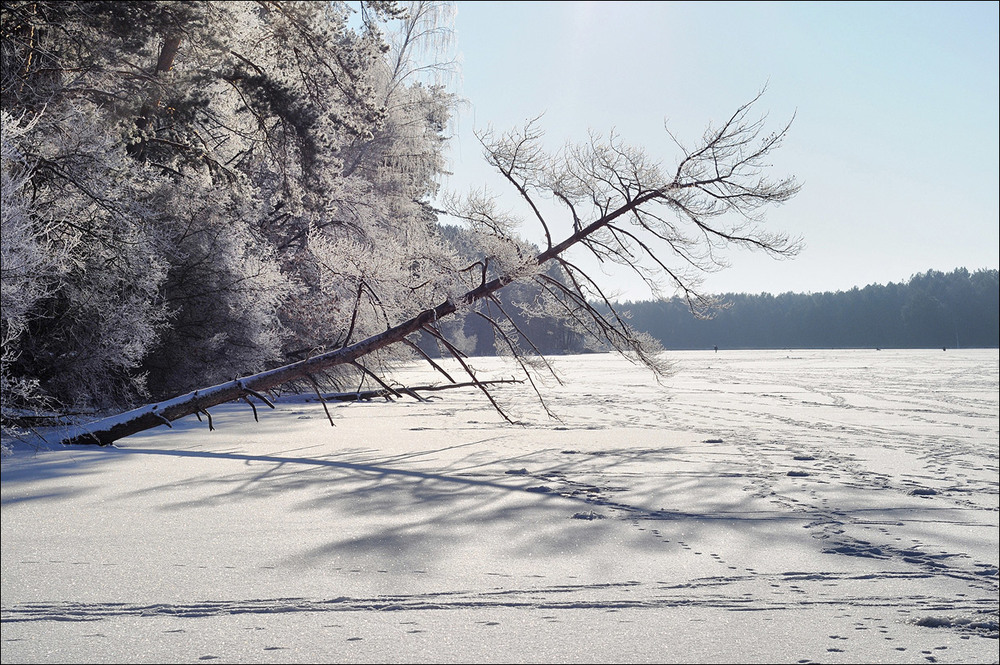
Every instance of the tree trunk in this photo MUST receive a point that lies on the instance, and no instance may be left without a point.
(171, 44)
(107, 431)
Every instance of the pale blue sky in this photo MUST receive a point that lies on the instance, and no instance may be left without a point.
(895, 138)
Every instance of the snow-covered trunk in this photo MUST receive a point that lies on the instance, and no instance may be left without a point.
(108, 430)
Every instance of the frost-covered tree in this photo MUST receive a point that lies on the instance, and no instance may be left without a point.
(233, 183)
(379, 256)
(30, 264)
(94, 310)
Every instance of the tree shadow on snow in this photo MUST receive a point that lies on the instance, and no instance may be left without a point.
(541, 502)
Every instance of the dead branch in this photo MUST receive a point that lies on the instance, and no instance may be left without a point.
(387, 394)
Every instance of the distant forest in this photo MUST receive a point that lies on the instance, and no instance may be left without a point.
(933, 309)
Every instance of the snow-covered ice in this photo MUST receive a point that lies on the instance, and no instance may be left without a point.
(759, 506)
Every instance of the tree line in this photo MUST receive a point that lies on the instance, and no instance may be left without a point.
(932, 310)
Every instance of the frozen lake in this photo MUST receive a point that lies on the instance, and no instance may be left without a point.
(758, 506)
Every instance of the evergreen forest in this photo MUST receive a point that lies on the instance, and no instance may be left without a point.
(932, 310)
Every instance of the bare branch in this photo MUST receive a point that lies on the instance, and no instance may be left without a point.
(468, 370)
(429, 360)
(512, 345)
(315, 386)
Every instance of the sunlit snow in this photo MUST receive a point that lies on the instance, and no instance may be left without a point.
(759, 506)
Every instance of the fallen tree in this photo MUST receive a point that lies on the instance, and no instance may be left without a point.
(622, 208)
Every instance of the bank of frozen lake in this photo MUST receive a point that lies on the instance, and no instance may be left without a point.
(764, 506)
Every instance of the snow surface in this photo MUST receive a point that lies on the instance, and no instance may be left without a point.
(764, 506)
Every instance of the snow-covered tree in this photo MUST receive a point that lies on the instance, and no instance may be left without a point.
(94, 309)
(30, 265)
(377, 255)
(233, 183)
